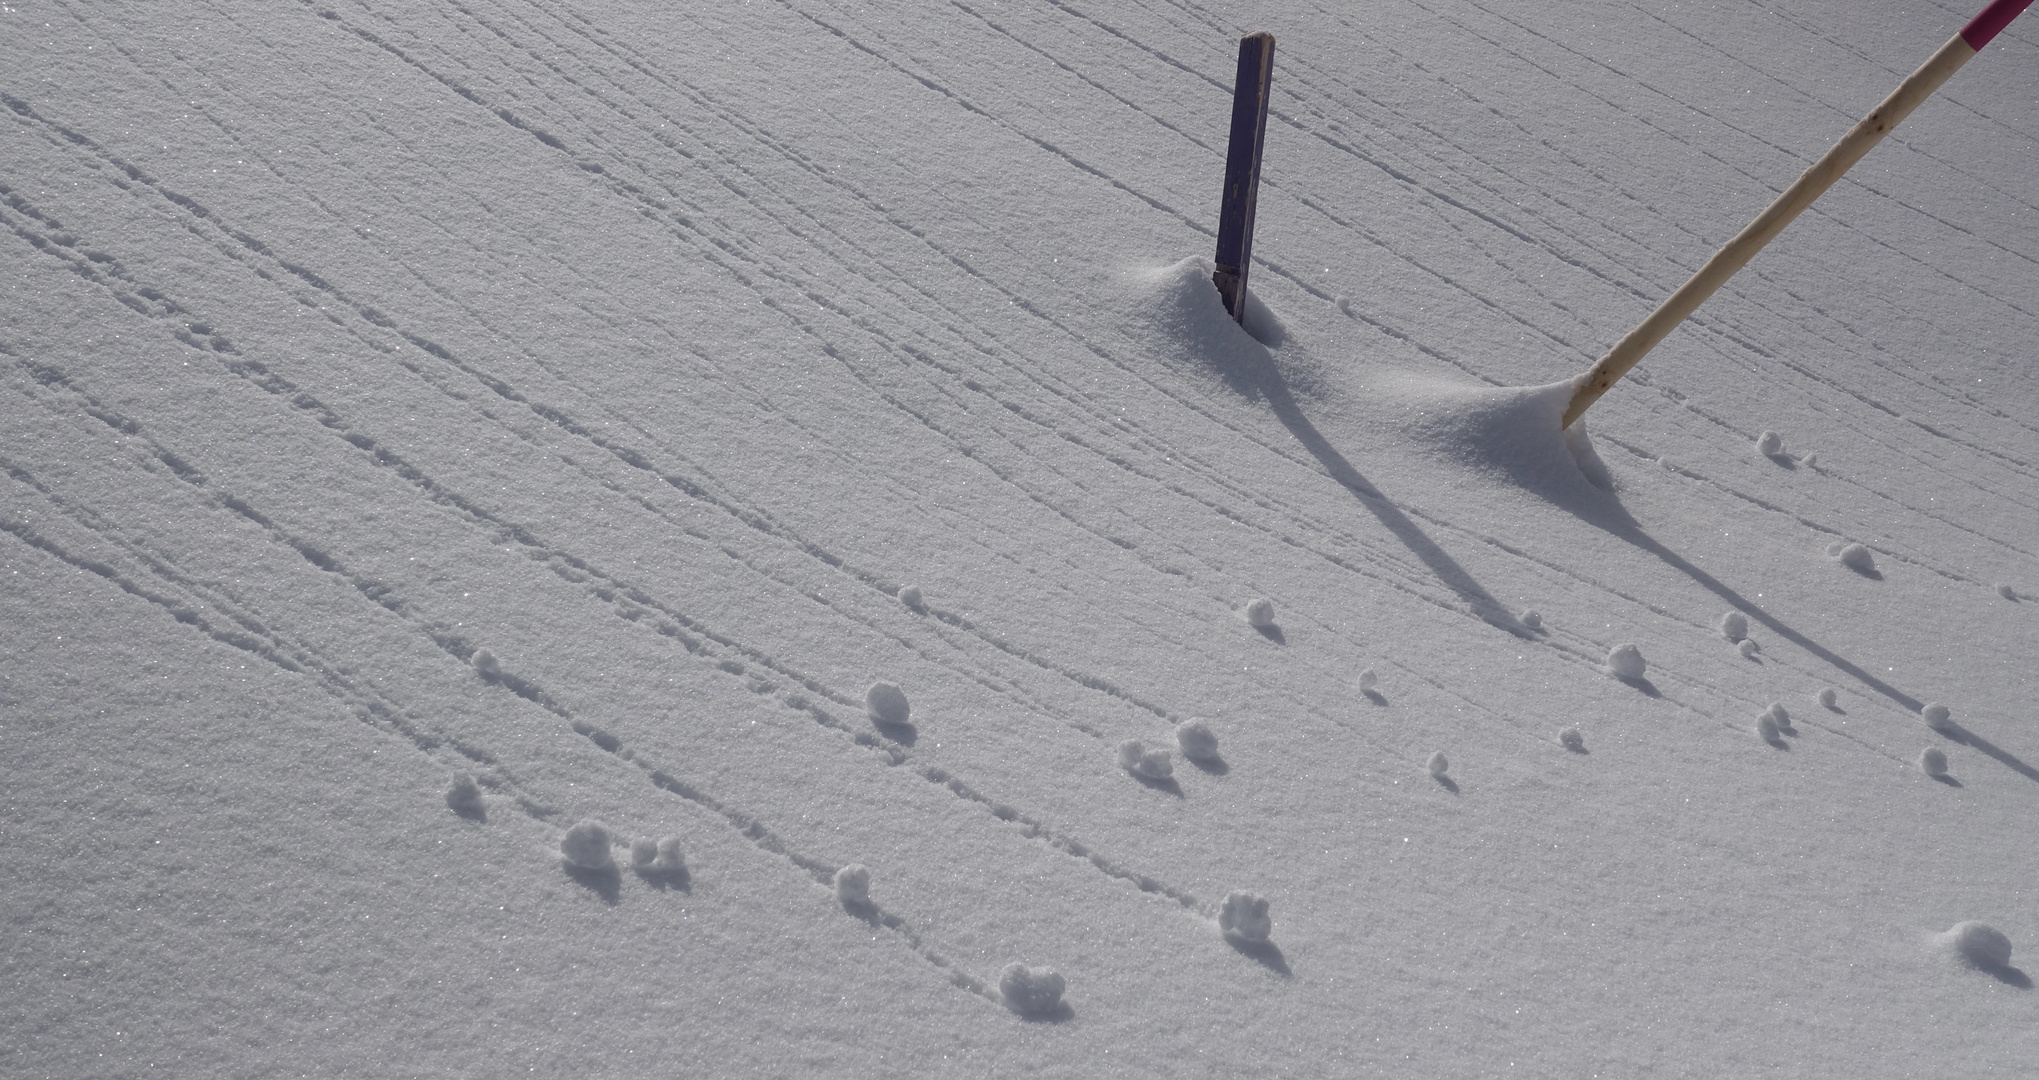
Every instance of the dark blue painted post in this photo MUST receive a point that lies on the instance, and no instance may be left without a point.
(1242, 170)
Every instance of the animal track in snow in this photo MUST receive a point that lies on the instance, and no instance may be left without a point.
(1626, 661)
(1140, 761)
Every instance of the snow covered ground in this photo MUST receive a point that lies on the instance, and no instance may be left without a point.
(575, 399)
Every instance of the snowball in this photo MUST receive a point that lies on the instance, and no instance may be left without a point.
(1748, 648)
(1770, 443)
(1830, 697)
(1260, 613)
(465, 796)
(853, 884)
(910, 596)
(1437, 764)
(1857, 558)
(1140, 761)
(486, 663)
(1777, 712)
(1368, 679)
(1627, 661)
(1572, 739)
(1028, 990)
(643, 851)
(1766, 727)
(1980, 944)
(2007, 592)
(1244, 916)
(1344, 304)
(586, 845)
(1938, 716)
(887, 703)
(1734, 626)
(669, 859)
(1532, 618)
(1933, 761)
(1197, 741)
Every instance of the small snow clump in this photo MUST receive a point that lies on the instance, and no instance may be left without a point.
(1767, 728)
(1627, 661)
(1810, 460)
(486, 663)
(1933, 761)
(1734, 626)
(1777, 713)
(1244, 916)
(1857, 558)
(586, 845)
(669, 859)
(1748, 648)
(1572, 739)
(888, 704)
(2007, 592)
(1344, 304)
(1532, 618)
(1830, 697)
(1030, 991)
(1368, 679)
(910, 596)
(1437, 764)
(1980, 944)
(1140, 761)
(1770, 444)
(1938, 717)
(464, 797)
(1197, 741)
(853, 884)
(643, 852)
(1260, 613)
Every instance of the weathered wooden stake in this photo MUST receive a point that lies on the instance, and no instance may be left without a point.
(1242, 170)
(1916, 87)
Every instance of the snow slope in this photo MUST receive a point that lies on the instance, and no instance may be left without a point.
(656, 351)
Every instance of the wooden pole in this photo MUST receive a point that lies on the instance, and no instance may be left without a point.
(1242, 170)
(1916, 87)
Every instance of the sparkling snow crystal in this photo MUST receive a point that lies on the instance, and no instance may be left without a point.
(465, 797)
(1029, 990)
(1933, 761)
(1572, 739)
(1980, 944)
(1197, 741)
(586, 845)
(1244, 916)
(853, 884)
(888, 704)
(1437, 764)
(1734, 626)
(1260, 613)
(1140, 761)
(1770, 444)
(1938, 717)
(1626, 661)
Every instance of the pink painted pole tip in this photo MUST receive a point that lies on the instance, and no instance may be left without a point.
(1994, 18)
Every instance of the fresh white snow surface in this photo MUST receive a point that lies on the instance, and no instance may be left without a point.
(598, 402)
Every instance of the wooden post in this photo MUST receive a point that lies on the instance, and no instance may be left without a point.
(1242, 170)
(1916, 87)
